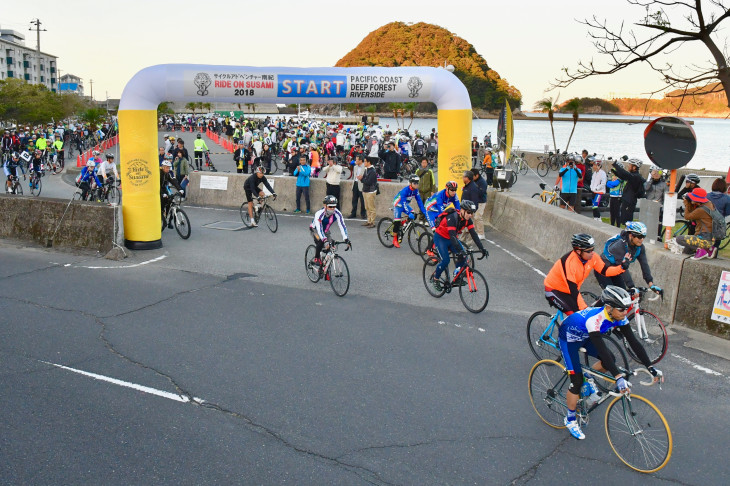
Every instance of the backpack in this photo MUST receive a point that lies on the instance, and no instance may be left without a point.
(607, 254)
(418, 146)
(441, 216)
(719, 226)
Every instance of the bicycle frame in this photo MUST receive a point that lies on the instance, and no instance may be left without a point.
(547, 335)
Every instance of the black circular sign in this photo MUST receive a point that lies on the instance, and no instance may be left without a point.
(670, 142)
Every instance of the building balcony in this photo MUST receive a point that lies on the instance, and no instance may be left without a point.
(9, 60)
(26, 64)
(26, 76)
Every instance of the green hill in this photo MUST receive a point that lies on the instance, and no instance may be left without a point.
(421, 44)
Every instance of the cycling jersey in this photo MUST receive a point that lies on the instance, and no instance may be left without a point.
(452, 224)
(107, 166)
(402, 200)
(88, 174)
(577, 326)
(322, 223)
(436, 204)
(251, 186)
(199, 145)
(570, 271)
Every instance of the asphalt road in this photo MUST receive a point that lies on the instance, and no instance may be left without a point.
(232, 368)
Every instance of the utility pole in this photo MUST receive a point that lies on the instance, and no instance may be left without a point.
(91, 82)
(37, 23)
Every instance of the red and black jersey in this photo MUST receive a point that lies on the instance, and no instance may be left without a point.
(452, 224)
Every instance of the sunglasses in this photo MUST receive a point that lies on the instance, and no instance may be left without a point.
(331, 207)
(468, 212)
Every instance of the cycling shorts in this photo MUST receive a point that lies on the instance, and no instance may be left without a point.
(400, 211)
(571, 354)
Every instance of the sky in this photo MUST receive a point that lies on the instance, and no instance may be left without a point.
(527, 42)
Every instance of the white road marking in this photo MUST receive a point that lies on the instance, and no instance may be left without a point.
(696, 366)
(126, 384)
(162, 257)
(537, 270)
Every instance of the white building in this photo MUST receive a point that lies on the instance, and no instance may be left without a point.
(68, 83)
(21, 62)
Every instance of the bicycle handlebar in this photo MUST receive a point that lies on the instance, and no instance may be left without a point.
(643, 290)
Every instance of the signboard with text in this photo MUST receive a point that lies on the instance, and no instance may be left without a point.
(721, 305)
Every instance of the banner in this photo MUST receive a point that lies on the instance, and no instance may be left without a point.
(721, 306)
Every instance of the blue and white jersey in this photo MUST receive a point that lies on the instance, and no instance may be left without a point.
(322, 223)
(577, 326)
(440, 200)
(402, 200)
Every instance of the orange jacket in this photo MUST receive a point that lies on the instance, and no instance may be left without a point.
(569, 273)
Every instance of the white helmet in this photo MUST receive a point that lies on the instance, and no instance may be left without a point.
(90, 164)
(166, 163)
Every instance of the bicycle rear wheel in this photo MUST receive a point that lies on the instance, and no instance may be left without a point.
(310, 268)
(589, 297)
(385, 232)
(638, 433)
(524, 167)
(542, 169)
(113, 195)
(654, 340)
(474, 294)
(270, 217)
(425, 242)
(414, 234)
(542, 336)
(436, 288)
(339, 276)
(682, 229)
(244, 215)
(548, 383)
(182, 223)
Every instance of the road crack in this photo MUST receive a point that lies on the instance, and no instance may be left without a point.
(529, 474)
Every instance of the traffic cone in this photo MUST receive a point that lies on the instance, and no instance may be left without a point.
(78, 161)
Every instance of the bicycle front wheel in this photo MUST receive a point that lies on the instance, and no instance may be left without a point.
(542, 336)
(638, 433)
(182, 223)
(474, 291)
(245, 217)
(339, 276)
(652, 335)
(542, 169)
(548, 383)
(524, 167)
(309, 267)
(425, 241)
(270, 217)
(113, 195)
(36, 186)
(414, 234)
(385, 232)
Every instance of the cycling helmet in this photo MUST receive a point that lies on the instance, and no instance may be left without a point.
(95, 153)
(468, 206)
(693, 178)
(38, 152)
(616, 297)
(15, 155)
(577, 158)
(109, 156)
(330, 200)
(166, 163)
(636, 228)
(452, 185)
(583, 241)
(199, 136)
(165, 136)
(414, 179)
(635, 162)
(90, 164)
(259, 170)
(168, 156)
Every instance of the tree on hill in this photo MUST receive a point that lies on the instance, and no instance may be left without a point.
(667, 26)
(422, 44)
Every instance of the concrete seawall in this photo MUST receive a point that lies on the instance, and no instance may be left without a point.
(85, 226)
(689, 285)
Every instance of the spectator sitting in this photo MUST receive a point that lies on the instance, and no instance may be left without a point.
(701, 242)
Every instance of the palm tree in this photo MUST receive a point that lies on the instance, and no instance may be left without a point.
(546, 105)
(207, 106)
(372, 109)
(191, 107)
(573, 106)
(411, 107)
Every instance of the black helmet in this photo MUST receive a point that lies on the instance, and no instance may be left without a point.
(199, 136)
(693, 178)
(616, 297)
(109, 156)
(414, 178)
(451, 185)
(330, 200)
(583, 241)
(15, 155)
(468, 205)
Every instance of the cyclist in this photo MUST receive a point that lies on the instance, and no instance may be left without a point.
(36, 165)
(167, 177)
(323, 221)
(627, 246)
(10, 167)
(436, 204)
(251, 186)
(563, 281)
(84, 180)
(401, 205)
(108, 165)
(450, 224)
(199, 146)
(583, 330)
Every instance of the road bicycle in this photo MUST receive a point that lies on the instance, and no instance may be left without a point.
(646, 326)
(427, 249)
(550, 197)
(209, 163)
(52, 164)
(550, 162)
(473, 288)
(636, 429)
(109, 191)
(178, 217)
(518, 164)
(542, 336)
(15, 186)
(262, 208)
(332, 267)
(409, 228)
(35, 182)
